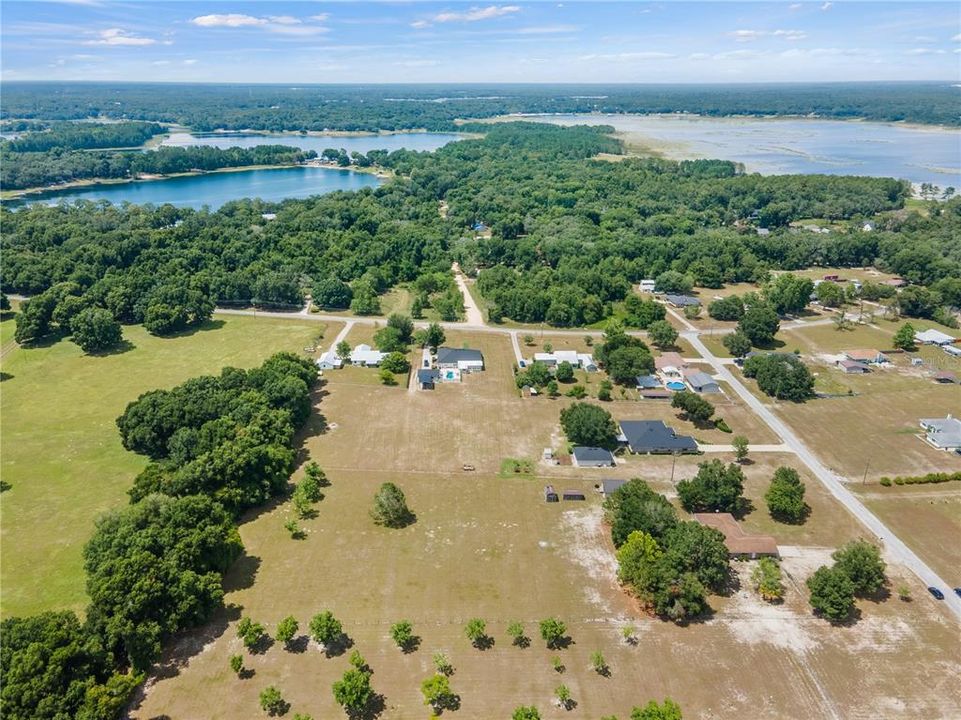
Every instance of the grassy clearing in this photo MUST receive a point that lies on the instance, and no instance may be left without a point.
(61, 451)
(489, 547)
(928, 520)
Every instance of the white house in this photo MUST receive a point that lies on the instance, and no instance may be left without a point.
(944, 433)
(576, 359)
(933, 337)
(365, 356)
(329, 361)
(646, 286)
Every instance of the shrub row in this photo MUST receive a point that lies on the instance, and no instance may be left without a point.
(921, 479)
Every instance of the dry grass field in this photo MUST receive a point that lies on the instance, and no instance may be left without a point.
(926, 517)
(875, 429)
(489, 547)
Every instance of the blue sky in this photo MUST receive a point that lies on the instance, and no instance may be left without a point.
(319, 42)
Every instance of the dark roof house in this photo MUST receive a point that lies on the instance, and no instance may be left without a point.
(592, 457)
(462, 358)
(653, 436)
(426, 377)
(682, 300)
(647, 382)
(609, 486)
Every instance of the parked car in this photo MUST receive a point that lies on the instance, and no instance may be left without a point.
(938, 595)
(957, 591)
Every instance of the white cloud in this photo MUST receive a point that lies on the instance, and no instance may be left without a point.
(280, 24)
(956, 38)
(322, 17)
(827, 6)
(190, 61)
(118, 37)
(232, 20)
(795, 6)
(924, 51)
(751, 35)
(473, 14)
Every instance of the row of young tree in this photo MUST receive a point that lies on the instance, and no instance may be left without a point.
(219, 445)
(22, 170)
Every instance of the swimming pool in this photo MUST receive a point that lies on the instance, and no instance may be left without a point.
(676, 385)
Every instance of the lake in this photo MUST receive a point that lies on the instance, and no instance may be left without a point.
(776, 146)
(215, 189)
(350, 143)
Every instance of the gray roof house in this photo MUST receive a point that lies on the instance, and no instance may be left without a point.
(682, 300)
(426, 377)
(592, 457)
(944, 433)
(609, 486)
(653, 436)
(702, 382)
(647, 382)
(463, 359)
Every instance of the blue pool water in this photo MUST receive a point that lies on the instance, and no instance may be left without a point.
(676, 385)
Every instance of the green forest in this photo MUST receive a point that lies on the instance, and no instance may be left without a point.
(569, 235)
(435, 107)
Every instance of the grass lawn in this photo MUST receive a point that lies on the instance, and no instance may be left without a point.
(488, 546)
(926, 517)
(61, 451)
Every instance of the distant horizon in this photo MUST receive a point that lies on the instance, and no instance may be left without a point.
(480, 42)
(481, 83)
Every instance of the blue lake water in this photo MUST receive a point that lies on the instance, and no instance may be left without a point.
(776, 146)
(216, 189)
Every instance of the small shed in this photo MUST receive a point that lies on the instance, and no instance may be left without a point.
(852, 367)
(702, 382)
(647, 286)
(550, 495)
(592, 457)
(609, 486)
(945, 377)
(655, 394)
(329, 361)
(574, 495)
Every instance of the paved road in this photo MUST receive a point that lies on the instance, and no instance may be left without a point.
(897, 550)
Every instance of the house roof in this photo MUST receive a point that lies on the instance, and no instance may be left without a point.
(682, 300)
(446, 355)
(363, 353)
(582, 453)
(864, 355)
(609, 486)
(330, 357)
(654, 436)
(699, 379)
(648, 382)
(933, 336)
(585, 359)
(653, 393)
(854, 365)
(938, 425)
(736, 540)
(945, 376)
(427, 375)
(669, 359)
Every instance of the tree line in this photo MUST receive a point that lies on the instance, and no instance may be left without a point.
(20, 170)
(84, 136)
(400, 107)
(219, 444)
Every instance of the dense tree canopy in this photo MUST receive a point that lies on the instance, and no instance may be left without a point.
(781, 375)
(154, 568)
(590, 425)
